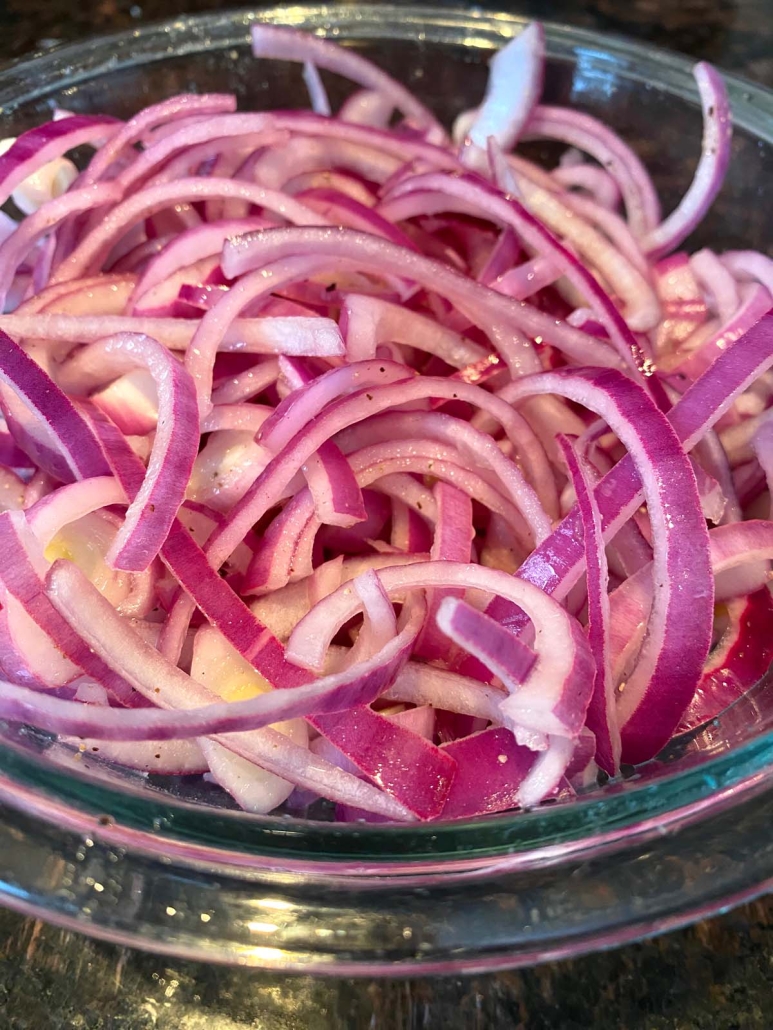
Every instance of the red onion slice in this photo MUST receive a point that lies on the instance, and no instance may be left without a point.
(278, 42)
(556, 694)
(151, 513)
(602, 717)
(514, 85)
(43, 420)
(679, 632)
(710, 173)
(38, 146)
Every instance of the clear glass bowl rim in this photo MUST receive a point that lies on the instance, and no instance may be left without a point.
(676, 796)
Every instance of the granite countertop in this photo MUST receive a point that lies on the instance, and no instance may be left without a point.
(717, 975)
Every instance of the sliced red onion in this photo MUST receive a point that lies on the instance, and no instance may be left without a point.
(557, 564)
(186, 249)
(679, 631)
(556, 693)
(245, 385)
(162, 758)
(547, 773)
(740, 659)
(22, 582)
(131, 401)
(490, 769)
(747, 264)
(479, 197)
(503, 318)
(755, 302)
(267, 129)
(341, 209)
(718, 281)
(317, 337)
(710, 173)
(514, 86)
(454, 532)
(590, 179)
(269, 486)
(368, 321)
(43, 420)
(626, 280)
(496, 647)
(109, 637)
(95, 247)
(367, 107)
(320, 103)
(582, 770)
(17, 246)
(38, 146)
(713, 500)
(762, 442)
(152, 511)
(69, 503)
(390, 452)
(410, 532)
(11, 490)
(27, 653)
(738, 547)
(286, 44)
(302, 405)
(248, 418)
(527, 279)
(402, 763)
(712, 457)
(670, 662)
(602, 717)
(337, 496)
(421, 684)
(594, 138)
(173, 109)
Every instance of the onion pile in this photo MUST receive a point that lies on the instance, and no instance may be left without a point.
(345, 458)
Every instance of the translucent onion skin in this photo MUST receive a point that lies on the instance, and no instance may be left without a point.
(344, 457)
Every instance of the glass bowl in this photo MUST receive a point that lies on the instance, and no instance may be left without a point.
(177, 871)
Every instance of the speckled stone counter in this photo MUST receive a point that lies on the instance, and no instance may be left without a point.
(717, 975)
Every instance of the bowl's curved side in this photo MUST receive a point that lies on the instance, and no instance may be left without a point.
(82, 877)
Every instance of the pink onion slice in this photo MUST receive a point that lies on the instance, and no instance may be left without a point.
(514, 85)
(710, 173)
(415, 771)
(43, 420)
(38, 146)
(503, 318)
(556, 694)
(481, 198)
(490, 768)
(151, 513)
(557, 564)
(740, 659)
(119, 646)
(22, 580)
(588, 134)
(679, 631)
(602, 717)
(337, 496)
(17, 246)
(454, 532)
(277, 42)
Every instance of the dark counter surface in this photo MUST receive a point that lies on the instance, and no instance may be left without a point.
(717, 975)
